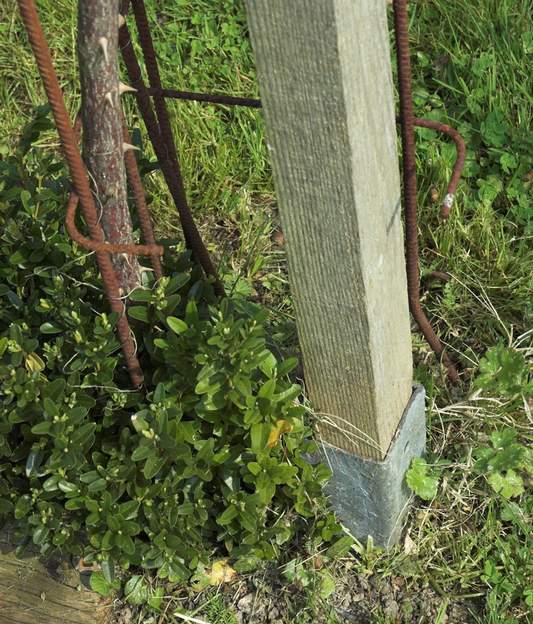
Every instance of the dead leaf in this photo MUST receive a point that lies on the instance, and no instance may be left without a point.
(409, 547)
(278, 238)
(318, 562)
(281, 427)
(220, 573)
(399, 581)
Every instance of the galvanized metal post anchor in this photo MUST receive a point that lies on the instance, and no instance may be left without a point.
(371, 497)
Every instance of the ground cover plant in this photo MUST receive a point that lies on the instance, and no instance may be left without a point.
(197, 469)
(466, 553)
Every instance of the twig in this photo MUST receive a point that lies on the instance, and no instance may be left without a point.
(188, 618)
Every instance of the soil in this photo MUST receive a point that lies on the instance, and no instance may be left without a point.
(357, 599)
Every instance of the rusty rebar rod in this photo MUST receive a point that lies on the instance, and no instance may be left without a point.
(407, 121)
(80, 181)
(160, 131)
(134, 178)
(460, 158)
(209, 98)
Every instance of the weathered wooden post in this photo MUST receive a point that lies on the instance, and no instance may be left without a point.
(326, 87)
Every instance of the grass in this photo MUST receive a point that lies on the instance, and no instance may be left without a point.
(468, 548)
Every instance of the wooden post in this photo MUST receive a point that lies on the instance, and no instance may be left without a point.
(326, 87)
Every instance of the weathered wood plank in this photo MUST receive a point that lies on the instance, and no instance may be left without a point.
(30, 594)
(326, 87)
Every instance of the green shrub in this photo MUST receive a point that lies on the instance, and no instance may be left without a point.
(207, 462)
(505, 372)
(505, 463)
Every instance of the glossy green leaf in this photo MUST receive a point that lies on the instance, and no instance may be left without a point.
(42, 428)
(136, 591)
(139, 313)
(152, 466)
(50, 328)
(177, 325)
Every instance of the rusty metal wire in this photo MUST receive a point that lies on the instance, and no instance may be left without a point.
(210, 98)
(160, 131)
(134, 177)
(80, 181)
(459, 164)
(103, 246)
(161, 136)
(407, 120)
(437, 126)
(151, 249)
(231, 100)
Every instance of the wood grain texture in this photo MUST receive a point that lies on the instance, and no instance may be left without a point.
(31, 594)
(326, 87)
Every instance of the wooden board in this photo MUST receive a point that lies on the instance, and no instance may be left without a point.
(326, 87)
(34, 593)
